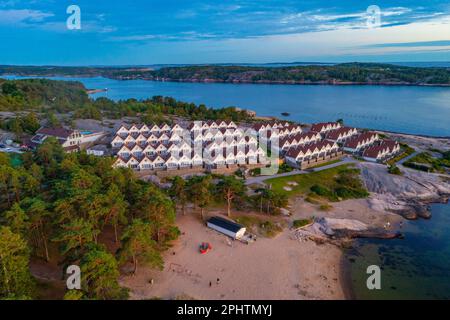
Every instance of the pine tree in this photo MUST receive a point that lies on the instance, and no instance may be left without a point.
(138, 246)
(16, 281)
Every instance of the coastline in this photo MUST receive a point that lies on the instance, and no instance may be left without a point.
(266, 82)
(269, 82)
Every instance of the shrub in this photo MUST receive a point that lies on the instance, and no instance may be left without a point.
(321, 190)
(301, 222)
(394, 170)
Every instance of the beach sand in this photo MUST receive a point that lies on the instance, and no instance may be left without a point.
(277, 268)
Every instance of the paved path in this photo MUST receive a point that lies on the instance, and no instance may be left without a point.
(401, 161)
(261, 179)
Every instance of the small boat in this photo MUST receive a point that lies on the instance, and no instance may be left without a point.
(286, 114)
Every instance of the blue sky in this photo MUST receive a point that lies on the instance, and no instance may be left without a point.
(228, 31)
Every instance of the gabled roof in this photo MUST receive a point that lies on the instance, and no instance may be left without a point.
(374, 151)
(334, 134)
(318, 127)
(56, 132)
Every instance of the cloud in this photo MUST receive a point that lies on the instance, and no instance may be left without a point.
(23, 16)
(437, 43)
(37, 19)
(182, 36)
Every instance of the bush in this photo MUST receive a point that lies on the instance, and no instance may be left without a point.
(301, 222)
(394, 170)
(321, 190)
(284, 168)
(325, 207)
(349, 193)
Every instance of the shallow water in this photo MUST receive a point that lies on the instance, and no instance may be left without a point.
(417, 267)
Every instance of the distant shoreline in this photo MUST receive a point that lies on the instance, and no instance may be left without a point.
(207, 81)
(313, 83)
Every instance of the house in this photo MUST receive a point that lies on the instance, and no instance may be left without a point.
(146, 163)
(295, 156)
(227, 227)
(120, 163)
(323, 127)
(70, 140)
(124, 152)
(66, 137)
(98, 150)
(117, 142)
(340, 135)
(133, 163)
(136, 151)
(358, 143)
(382, 151)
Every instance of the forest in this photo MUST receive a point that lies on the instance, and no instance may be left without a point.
(68, 97)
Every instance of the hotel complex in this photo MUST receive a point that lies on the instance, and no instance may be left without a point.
(216, 144)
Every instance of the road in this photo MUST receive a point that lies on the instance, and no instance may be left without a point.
(261, 179)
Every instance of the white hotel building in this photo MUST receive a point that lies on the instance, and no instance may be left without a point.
(202, 144)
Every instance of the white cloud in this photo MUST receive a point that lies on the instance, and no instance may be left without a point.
(23, 16)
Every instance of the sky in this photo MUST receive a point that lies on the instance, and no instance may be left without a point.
(144, 32)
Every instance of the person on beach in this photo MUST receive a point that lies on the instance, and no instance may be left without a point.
(218, 281)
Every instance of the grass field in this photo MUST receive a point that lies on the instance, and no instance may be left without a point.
(332, 184)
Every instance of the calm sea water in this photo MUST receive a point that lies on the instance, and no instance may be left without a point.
(417, 267)
(417, 110)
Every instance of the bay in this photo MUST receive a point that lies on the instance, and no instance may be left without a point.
(405, 109)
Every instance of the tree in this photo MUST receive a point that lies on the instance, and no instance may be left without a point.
(230, 187)
(74, 236)
(10, 87)
(138, 246)
(99, 274)
(178, 192)
(15, 278)
(116, 207)
(271, 199)
(17, 219)
(38, 214)
(52, 120)
(200, 191)
(158, 210)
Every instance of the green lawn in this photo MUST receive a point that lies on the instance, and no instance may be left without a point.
(332, 184)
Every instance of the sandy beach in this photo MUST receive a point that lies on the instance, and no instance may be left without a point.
(277, 268)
